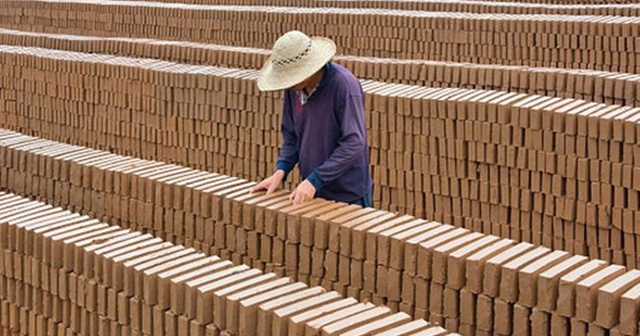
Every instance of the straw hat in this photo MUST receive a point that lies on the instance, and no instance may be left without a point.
(294, 58)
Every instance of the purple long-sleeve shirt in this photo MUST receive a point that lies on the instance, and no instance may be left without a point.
(327, 137)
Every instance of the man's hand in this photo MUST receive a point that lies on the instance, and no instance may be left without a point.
(270, 184)
(304, 192)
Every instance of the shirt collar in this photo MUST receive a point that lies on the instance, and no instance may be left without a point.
(328, 68)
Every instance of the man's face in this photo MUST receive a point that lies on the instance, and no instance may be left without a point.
(302, 85)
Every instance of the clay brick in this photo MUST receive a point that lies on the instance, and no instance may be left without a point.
(528, 276)
(163, 279)
(207, 286)
(346, 241)
(485, 321)
(455, 274)
(411, 247)
(441, 256)
(231, 307)
(609, 299)
(335, 225)
(355, 321)
(493, 267)
(248, 211)
(547, 287)
(381, 325)
(397, 253)
(474, 265)
(321, 225)
(567, 286)
(560, 325)
(384, 239)
(314, 326)
(540, 322)
(297, 322)
(425, 250)
(180, 285)
(521, 320)
(308, 222)
(150, 275)
(432, 331)
(629, 306)
(247, 308)
(372, 232)
(289, 229)
(281, 315)
(587, 291)
(503, 317)
(468, 307)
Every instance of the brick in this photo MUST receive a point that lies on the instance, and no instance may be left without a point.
(425, 251)
(456, 261)
(629, 311)
(547, 287)
(353, 322)
(382, 325)
(567, 286)
(493, 267)
(528, 276)
(297, 322)
(609, 299)
(442, 252)
(279, 320)
(316, 325)
(509, 277)
(587, 291)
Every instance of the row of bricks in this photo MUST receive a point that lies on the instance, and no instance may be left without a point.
(610, 201)
(616, 9)
(265, 248)
(382, 255)
(487, 116)
(524, 226)
(121, 315)
(541, 40)
(21, 321)
(85, 255)
(597, 86)
(577, 2)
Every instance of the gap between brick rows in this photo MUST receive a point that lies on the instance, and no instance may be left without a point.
(66, 272)
(596, 86)
(459, 279)
(581, 41)
(453, 177)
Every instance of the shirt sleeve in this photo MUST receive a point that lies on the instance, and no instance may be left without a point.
(350, 115)
(288, 157)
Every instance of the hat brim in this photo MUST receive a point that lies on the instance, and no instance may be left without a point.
(279, 78)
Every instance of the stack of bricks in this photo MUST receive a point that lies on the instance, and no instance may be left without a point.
(527, 171)
(632, 9)
(590, 85)
(67, 274)
(571, 41)
(467, 282)
(442, 154)
(591, 7)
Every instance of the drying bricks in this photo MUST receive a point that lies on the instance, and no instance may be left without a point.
(448, 275)
(50, 259)
(443, 154)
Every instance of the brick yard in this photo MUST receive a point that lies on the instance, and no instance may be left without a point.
(504, 146)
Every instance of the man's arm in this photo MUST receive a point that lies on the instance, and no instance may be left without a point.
(288, 157)
(352, 141)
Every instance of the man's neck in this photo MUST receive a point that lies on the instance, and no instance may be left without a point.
(313, 83)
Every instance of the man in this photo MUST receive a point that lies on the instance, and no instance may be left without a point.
(323, 124)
